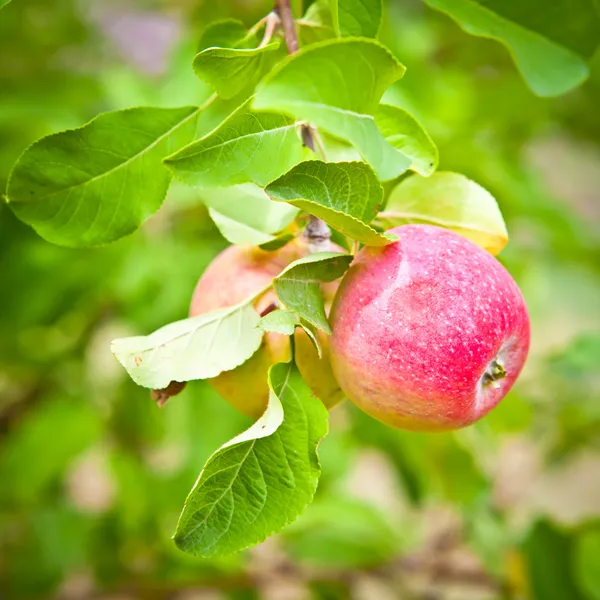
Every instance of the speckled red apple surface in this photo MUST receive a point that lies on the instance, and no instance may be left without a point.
(429, 332)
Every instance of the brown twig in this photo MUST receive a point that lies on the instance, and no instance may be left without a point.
(283, 8)
(317, 232)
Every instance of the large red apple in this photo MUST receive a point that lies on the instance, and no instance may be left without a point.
(429, 332)
(236, 274)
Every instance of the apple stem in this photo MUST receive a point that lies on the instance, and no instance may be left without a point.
(317, 232)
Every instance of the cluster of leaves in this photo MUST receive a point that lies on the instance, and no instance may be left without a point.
(244, 149)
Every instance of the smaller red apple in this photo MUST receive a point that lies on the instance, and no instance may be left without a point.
(429, 332)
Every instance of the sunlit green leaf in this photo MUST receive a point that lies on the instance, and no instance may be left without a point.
(549, 45)
(317, 23)
(227, 33)
(404, 132)
(97, 183)
(245, 214)
(280, 321)
(230, 70)
(248, 147)
(448, 200)
(260, 481)
(345, 195)
(337, 85)
(297, 286)
(357, 18)
(196, 348)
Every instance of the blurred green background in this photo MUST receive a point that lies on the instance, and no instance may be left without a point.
(93, 475)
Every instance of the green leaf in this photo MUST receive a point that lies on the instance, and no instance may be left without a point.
(230, 70)
(33, 456)
(337, 85)
(227, 33)
(98, 183)
(317, 24)
(357, 18)
(549, 560)
(280, 321)
(277, 242)
(448, 200)
(245, 214)
(285, 321)
(252, 147)
(297, 286)
(197, 348)
(260, 481)
(345, 195)
(338, 532)
(4, 3)
(587, 561)
(548, 45)
(404, 132)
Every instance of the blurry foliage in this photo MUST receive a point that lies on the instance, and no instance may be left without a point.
(93, 474)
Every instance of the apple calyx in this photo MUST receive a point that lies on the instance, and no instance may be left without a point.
(494, 373)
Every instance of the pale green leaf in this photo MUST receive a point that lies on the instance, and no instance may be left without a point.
(297, 286)
(245, 214)
(317, 24)
(548, 44)
(247, 147)
(280, 321)
(196, 348)
(236, 232)
(404, 132)
(259, 482)
(230, 70)
(448, 200)
(357, 18)
(98, 183)
(337, 85)
(345, 195)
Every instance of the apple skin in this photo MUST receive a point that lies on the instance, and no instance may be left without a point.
(236, 274)
(417, 325)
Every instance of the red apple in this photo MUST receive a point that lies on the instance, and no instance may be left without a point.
(429, 332)
(236, 274)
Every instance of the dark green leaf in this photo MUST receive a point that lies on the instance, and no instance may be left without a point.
(548, 43)
(230, 70)
(549, 561)
(298, 288)
(248, 147)
(587, 561)
(98, 183)
(357, 18)
(259, 482)
(404, 132)
(345, 195)
(277, 242)
(337, 85)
